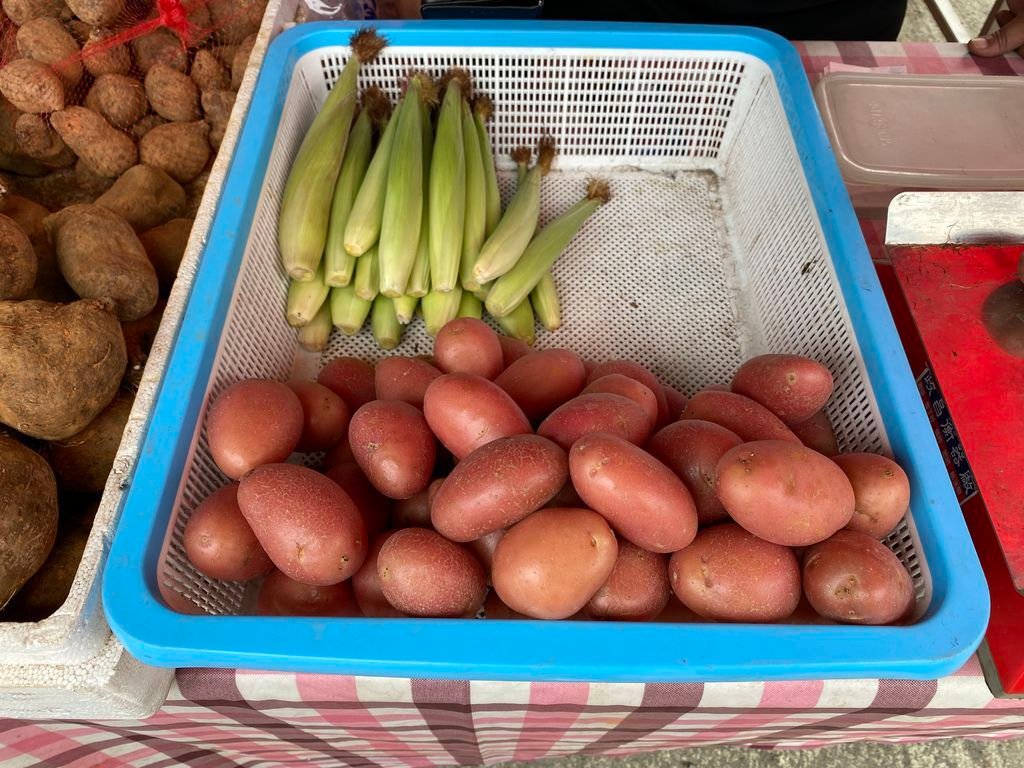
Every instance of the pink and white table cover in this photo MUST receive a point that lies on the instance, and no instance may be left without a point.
(220, 718)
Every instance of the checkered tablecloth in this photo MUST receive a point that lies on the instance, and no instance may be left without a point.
(223, 718)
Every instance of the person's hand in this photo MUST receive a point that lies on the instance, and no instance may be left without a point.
(1009, 36)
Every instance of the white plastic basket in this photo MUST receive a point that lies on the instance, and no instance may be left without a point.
(710, 251)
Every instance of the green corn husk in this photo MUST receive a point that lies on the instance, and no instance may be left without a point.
(405, 308)
(519, 324)
(521, 156)
(475, 227)
(348, 311)
(471, 306)
(403, 206)
(362, 230)
(341, 264)
(305, 299)
(483, 109)
(482, 293)
(367, 279)
(440, 308)
(419, 280)
(306, 202)
(387, 331)
(313, 335)
(512, 289)
(515, 230)
(544, 300)
(446, 206)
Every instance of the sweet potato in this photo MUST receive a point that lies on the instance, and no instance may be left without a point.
(18, 262)
(102, 57)
(208, 73)
(83, 461)
(119, 99)
(145, 197)
(23, 11)
(31, 86)
(106, 150)
(180, 149)
(235, 20)
(161, 46)
(40, 142)
(100, 256)
(96, 12)
(57, 189)
(28, 525)
(240, 61)
(171, 93)
(138, 339)
(165, 245)
(194, 192)
(49, 285)
(217, 106)
(145, 125)
(90, 181)
(70, 357)
(45, 40)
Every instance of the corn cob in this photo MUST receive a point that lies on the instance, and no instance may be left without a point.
(403, 206)
(471, 306)
(348, 311)
(475, 227)
(405, 308)
(483, 109)
(340, 264)
(419, 280)
(446, 207)
(313, 335)
(515, 230)
(440, 308)
(367, 280)
(544, 300)
(306, 203)
(519, 324)
(512, 288)
(362, 230)
(387, 331)
(305, 299)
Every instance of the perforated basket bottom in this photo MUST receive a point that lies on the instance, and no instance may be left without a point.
(654, 276)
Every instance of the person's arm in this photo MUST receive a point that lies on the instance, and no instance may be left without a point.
(1009, 36)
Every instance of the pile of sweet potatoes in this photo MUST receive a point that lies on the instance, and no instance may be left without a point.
(106, 140)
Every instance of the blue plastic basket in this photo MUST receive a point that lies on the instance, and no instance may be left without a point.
(714, 146)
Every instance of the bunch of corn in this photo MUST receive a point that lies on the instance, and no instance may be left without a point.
(413, 222)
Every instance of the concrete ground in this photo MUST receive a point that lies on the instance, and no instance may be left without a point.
(957, 753)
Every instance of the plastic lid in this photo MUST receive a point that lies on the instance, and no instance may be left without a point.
(923, 131)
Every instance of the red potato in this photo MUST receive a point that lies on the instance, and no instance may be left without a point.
(413, 512)
(497, 486)
(253, 422)
(483, 549)
(374, 507)
(853, 578)
(881, 490)
(617, 384)
(281, 596)
(637, 589)
(641, 374)
(566, 497)
(692, 449)
(468, 345)
(220, 543)
(549, 565)
(394, 447)
(339, 454)
(351, 379)
(325, 416)
(786, 494)
(677, 613)
(542, 381)
(817, 434)
(596, 412)
(467, 412)
(792, 387)
(404, 378)
(639, 496)
(676, 401)
(495, 609)
(366, 584)
(305, 522)
(423, 574)
(432, 491)
(513, 349)
(728, 574)
(589, 366)
(739, 414)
